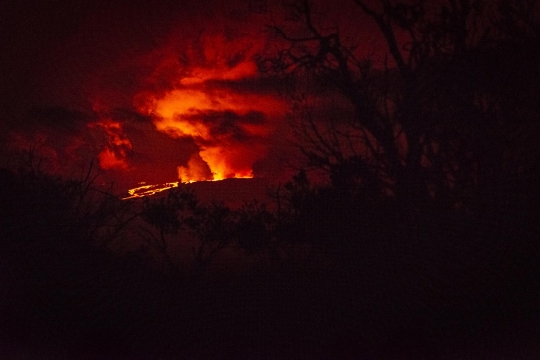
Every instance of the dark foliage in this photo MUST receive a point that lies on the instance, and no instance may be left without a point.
(424, 245)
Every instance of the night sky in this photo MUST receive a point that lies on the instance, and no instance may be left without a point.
(154, 91)
(423, 241)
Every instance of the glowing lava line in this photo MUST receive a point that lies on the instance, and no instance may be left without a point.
(149, 190)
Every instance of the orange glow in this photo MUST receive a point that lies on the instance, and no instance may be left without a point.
(226, 124)
(232, 162)
(196, 170)
(175, 114)
(109, 160)
(148, 190)
(242, 70)
(171, 110)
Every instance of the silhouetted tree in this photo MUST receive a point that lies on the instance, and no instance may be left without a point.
(254, 228)
(67, 291)
(163, 214)
(440, 119)
(431, 156)
(212, 225)
(179, 216)
(46, 207)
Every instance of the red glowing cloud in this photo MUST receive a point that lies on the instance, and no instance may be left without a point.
(178, 96)
(115, 153)
(209, 97)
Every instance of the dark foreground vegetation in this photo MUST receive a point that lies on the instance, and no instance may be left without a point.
(423, 243)
(324, 275)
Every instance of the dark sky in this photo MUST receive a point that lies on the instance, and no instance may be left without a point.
(154, 89)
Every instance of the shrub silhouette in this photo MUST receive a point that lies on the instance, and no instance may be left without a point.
(64, 291)
(424, 250)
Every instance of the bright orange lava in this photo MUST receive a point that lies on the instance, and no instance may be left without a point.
(149, 190)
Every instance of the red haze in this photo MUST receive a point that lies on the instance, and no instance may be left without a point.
(203, 102)
(167, 90)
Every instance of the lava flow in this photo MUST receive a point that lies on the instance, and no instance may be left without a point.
(149, 190)
(200, 109)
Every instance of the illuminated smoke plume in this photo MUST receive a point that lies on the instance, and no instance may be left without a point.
(195, 170)
(114, 156)
(213, 96)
